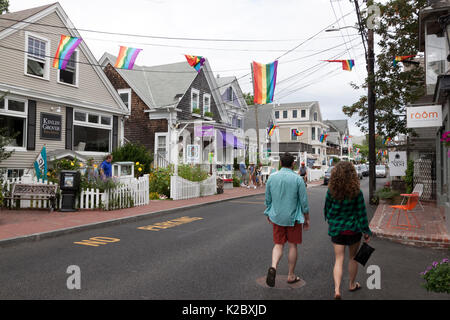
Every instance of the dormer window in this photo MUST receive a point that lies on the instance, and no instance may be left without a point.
(315, 116)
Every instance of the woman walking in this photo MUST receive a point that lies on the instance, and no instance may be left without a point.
(345, 211)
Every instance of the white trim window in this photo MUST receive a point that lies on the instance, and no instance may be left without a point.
(37, 56)
(161, 145)
(13, 119)
(125, 95)
(195, 99)
(92, 132)
(206, 103)
(70, 74)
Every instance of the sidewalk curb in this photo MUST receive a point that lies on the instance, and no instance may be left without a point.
(96, 225)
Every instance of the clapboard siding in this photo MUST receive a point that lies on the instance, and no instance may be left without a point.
(12, 65)
(25, 159)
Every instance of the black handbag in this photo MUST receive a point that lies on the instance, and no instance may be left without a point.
(363, 254)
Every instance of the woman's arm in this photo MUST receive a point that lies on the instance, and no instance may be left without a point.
(362, 214)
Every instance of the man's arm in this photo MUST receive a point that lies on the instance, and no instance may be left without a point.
(268, 200)
(303, 198)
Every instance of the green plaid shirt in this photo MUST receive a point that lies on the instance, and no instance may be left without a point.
(347, 214)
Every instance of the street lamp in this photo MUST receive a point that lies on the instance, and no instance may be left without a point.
(337, 29)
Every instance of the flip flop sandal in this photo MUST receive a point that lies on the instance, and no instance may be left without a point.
(271, 274)
(297, 279)
(357, 287)
(337, 297)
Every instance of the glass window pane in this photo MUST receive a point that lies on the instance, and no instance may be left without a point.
(96, 140)
(16, 105)
(93, 118)
(106, 121)
(80, 116)
(14, 127)
(285, 114)
(124, 97)
(35, 68)
(67, 76)
(2, 103)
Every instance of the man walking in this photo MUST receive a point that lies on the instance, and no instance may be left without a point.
(288, 211)
(106, 168)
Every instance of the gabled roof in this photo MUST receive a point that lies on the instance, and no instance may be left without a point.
(161, 86)
(33, 15)
(265, 116)
(340, 125)
(11, 18)
(225, 82)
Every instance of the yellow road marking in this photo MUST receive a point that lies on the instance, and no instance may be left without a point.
(169, 224)
(97, 241)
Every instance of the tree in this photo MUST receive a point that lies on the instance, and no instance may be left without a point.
(248, 99)
(4, 4)
(395, 87)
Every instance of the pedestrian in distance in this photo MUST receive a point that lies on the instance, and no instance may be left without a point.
(288, 211)
(243, 170)
(303, 172)
(345, 212)
(252, 175)
(106, 168)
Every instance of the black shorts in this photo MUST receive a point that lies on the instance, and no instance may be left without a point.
(347, 240)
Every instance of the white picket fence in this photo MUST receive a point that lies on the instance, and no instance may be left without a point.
(132, 193)
(184, 189)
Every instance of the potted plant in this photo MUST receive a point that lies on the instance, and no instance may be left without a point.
(196, 112)
(389, 196)
(437, 277)
(208, 114)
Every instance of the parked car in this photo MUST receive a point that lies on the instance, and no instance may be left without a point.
(365, 170)
(359, 171)
(327, 176)
(380, 171)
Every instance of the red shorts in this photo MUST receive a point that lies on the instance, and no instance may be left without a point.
(282, 234)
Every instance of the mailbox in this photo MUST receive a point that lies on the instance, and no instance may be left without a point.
(69, 183)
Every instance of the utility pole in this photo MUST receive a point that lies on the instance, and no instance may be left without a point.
(257, 135)
(371, 98)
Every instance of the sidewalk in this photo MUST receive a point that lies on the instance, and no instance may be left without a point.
(432, 232)
(27, 225)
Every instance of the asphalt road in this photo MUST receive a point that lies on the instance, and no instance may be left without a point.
(217, 257)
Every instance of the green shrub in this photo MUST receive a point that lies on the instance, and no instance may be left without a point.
(135, 153)
(209, 114)
(409, 176)
(159, 181)
(192, 173)
(197, 111)
(236, 181)
(386, 193)
(437, 277)
(154, 196)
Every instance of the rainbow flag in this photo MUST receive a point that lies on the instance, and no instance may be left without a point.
(398, 59)
(323, 137)
(195, 61)
(346, 64)
(67, 46)
(386, 140)
(126, 58)
(264, 80)
(296, 133)
(271, 130)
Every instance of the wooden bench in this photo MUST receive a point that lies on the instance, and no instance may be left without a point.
(32, 192)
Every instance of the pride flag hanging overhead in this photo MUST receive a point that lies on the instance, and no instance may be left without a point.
(67, 46)
(398, 59)
(323, 137)
(126, 58)
(296, 133)
(271, 130)
(195, 61)
(346, 64)
(264, 81)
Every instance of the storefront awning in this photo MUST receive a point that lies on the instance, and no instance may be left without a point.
(231, 140)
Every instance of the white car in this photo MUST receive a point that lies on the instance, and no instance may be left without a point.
(359, 171)
(380, 171)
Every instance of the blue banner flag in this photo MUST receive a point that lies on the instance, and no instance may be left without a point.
(40, 165)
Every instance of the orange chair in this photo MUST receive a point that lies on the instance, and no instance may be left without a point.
(406, 209)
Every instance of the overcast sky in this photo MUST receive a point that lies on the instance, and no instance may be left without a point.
(292, 21)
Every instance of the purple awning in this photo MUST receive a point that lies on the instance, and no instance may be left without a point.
(231, 140)
(204, 131)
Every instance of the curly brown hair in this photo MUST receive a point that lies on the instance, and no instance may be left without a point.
(344, 181)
